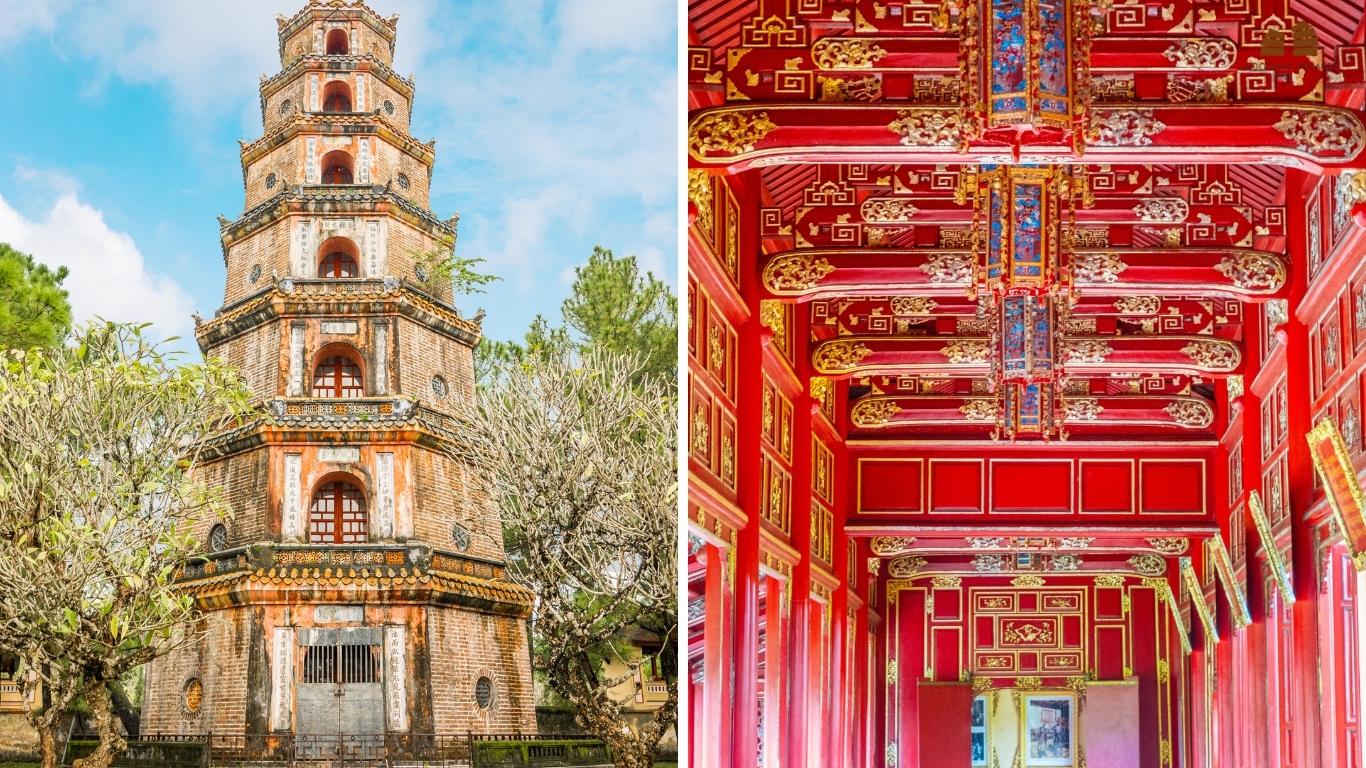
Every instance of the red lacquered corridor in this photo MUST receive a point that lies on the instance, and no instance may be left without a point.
(1027, 343)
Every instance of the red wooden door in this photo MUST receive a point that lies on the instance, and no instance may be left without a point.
(945, 725)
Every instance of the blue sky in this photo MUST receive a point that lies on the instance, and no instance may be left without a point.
(555, 128)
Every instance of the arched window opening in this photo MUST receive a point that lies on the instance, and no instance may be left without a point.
(337, 97)
(338, 43)
(336, 377)
(337, 264)
(337, 167)
(337, 515)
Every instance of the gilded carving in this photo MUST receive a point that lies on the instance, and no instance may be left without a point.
(1148, 564)
(1064, 563)
(913, 305)
(729, 132)
(1027, 580)
(1109, 580)
(927, 127)
(1201, 53)
(795, 272)
(840, 356)
(1253, 270)
(887, 546)
(1138, 305)
(979, 410)
(700, 195)
(1086, 351)
(948, 267)
(1321, 131)
(1190, 413)
(989, 563)
(1169, 545)
(874, 413)
(902, 567)
(966, 351)
(1103, 267)
(1213, 355)
(947, 582)
(1082, 409)
(888, 210)
(1028, 634)
(1162, 210)
(1124, 127)
(845, 53)
(773, 316)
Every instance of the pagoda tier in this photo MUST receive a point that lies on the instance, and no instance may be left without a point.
(358, 591)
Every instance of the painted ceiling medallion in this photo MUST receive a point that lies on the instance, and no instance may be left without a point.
(903, 567)
(888, 210)
(887, 546)
(1098, 267)
(1201, 53)
(1086, 351)
(874, 413)
(845, 53)
(840, 356)
(927, 127)
(1124, 127)
(966, 351)
(1213, 355)
(1162, 210)
(1253, 270)
(728, 132)
(980, 410)
(1138, 305)
(1322, 131)
(1082, 409)
(1190, 413)
(796, 272)
(948, 267)
(1170, 545)
(1148, 564)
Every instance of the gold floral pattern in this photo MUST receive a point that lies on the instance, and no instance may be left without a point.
(948, 267)
(927, 127)
(1253, 270)
(840, 356)
(1320, 130)
(1190, 413)
(1103, 267)
(1086, 351)
(966, 351)
(1213, 355)
(845, 53)
(888, 210)
(979, 410)
(795, 272)
(728, 132)
(874, 413)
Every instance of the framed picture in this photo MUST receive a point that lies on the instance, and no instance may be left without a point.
(1050, 730)
(979, 730)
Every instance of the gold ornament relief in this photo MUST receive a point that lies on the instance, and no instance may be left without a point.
(840, 356)
(874, 413)
(728, 132)
(1253, 271)
(795, 272)
(927, 127)
(966, 351)
(1212, 355)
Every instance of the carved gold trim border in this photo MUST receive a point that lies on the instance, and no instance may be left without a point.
(1223, 568)
(1280, 571)
(1326, 429)
(1197, 593)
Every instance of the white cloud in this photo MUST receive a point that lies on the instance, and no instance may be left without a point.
(109, 277)
(616, 24)
(25, 17)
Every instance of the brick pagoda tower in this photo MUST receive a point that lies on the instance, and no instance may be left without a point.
(359, 587)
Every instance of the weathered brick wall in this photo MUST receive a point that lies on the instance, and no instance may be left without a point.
(243, 478)
(424, 353)
(258, 356)
(446, 494)
(391, 162)
(465, 646)
(220, 661)
(294, 91)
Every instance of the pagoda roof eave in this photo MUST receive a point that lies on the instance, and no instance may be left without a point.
(364, 199)
(312, 123)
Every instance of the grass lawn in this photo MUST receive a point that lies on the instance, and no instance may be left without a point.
(4, 764)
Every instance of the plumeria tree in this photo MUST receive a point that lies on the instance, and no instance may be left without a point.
(98, 501)
(577, 453)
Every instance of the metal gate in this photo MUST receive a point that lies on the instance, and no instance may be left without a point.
(340, 694)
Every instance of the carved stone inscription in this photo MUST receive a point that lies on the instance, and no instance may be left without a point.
(396, 677)
(282, 680)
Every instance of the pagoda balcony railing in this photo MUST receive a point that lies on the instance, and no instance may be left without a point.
(340, 558)
(478, 750)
